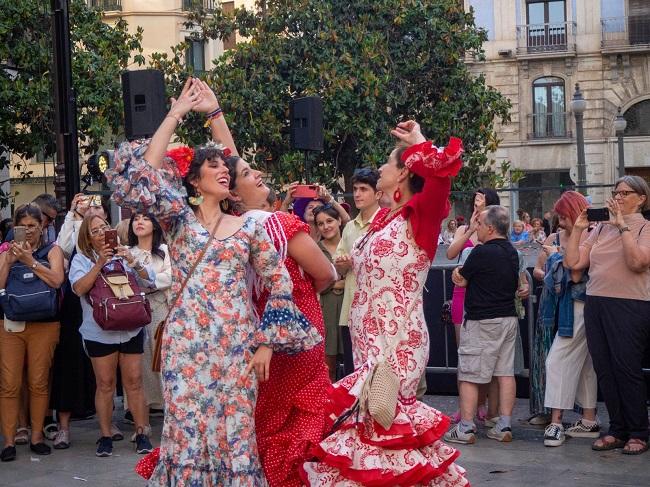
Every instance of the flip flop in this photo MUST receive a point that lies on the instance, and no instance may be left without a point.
(607, 445)
(635, 441)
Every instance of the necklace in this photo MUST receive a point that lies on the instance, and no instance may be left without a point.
(380, 222)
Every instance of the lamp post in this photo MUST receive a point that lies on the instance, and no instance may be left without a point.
(578, 105)
(619, 126)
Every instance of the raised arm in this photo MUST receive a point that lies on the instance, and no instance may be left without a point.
(636, 252)
(428, 208)
(218, 125)
(576, 256)
(189, 98)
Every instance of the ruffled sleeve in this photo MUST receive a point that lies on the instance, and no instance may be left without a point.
(282, 326)
(428, 208)
(139, 186)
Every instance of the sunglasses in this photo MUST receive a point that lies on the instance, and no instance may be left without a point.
(318, 209)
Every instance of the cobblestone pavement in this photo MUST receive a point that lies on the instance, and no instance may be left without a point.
(523, 462)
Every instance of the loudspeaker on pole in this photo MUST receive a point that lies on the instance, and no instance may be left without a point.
(306, 123)
(144, 98)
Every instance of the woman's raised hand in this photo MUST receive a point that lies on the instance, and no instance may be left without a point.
(209, 101)
(408, 132)
(105, 254)
(189, 98)
(582, 222)
(615, 213)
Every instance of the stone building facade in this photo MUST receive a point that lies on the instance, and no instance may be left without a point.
(537, 50)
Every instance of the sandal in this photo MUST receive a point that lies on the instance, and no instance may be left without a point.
(605, 445)
(629, 449)
(22, 436)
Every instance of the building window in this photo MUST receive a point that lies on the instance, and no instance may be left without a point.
(549, 110)
(547, 27)
(639, 21)
(229, 42)
(638, 119)
(536, 196)
(195, 54)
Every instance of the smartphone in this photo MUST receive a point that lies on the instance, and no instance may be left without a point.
(597, 214)
(306, 191)
(95, 200)
(110, 238)
(20, 234)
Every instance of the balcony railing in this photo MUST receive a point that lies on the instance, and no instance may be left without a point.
(626, 32)
(553, 125)
(546, 38)
(106, 4)
(206, 4)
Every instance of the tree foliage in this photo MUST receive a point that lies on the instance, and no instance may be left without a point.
(100, 52)
(374, 62)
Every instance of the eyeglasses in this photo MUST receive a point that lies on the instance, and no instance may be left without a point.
(623, 193)
(99, 231)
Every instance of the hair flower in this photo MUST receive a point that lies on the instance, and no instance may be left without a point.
(182, 156)
(226, 152)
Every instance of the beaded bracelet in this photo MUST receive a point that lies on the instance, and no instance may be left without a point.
(213, 116)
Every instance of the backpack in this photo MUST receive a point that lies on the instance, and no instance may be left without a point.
(117, 301)
(26, 296)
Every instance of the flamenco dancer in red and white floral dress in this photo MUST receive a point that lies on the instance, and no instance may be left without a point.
(387, 323)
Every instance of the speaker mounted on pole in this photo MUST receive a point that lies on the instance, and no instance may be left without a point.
(306, 123)
(145, 105)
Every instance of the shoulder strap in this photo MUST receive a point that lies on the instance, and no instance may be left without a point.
(557, 239)
(193, 268)
(640, 230)
(43, 251)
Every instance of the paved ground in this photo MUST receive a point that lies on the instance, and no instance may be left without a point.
(523, 462)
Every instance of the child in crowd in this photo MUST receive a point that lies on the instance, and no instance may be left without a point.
(537, 234)
(518, 234)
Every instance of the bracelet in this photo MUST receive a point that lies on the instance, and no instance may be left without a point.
(179, 120)
(213, 116)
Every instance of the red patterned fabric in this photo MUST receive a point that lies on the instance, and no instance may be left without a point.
(387, 323)
(145, 467)
(290, 412)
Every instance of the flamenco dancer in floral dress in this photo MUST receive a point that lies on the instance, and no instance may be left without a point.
(290, 413)
(212, 341)
(387, 323)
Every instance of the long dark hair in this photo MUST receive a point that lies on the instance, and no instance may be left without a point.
(157, 237)
(202, 154)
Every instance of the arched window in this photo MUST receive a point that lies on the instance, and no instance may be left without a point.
(638, 119)
(549, 108)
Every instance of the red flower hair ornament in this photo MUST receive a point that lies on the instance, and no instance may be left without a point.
(183, 155)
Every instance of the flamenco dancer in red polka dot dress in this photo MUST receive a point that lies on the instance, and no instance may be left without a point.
(290, 413)
(387, 323)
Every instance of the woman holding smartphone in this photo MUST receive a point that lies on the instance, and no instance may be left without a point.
(107, 349)
(32, 343)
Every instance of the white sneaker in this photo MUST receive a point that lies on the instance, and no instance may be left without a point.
(491, 422)
(554, 435)
(504, 435)
(581, 430)
(455, 435)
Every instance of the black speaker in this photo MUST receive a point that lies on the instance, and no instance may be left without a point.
(306, 117)
(144, 102)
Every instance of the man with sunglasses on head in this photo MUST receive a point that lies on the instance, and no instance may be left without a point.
(366, 200)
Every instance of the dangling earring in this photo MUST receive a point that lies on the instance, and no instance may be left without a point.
(225, 205)
(397, 195)
(196, 200)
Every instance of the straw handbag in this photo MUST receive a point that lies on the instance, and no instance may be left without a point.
(379, 394)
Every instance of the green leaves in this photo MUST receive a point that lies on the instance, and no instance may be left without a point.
(100, 53)
(374, 63)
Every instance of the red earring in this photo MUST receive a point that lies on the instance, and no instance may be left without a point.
(397, 195)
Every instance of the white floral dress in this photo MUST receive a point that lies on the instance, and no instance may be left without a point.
(386, 322)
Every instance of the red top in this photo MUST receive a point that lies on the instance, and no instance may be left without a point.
(290, 411)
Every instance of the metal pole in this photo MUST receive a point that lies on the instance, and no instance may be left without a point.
(67, 179)
(582, 168)
(621, 155)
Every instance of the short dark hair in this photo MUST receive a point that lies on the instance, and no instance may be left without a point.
(46, 200)
(30, 209)
(366, 175)
(416, 182)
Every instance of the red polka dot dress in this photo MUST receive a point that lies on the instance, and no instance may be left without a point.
(290, 412)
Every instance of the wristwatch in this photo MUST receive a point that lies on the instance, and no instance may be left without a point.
(624, 229)
(34, 265)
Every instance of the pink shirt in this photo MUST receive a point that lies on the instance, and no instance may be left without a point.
(609, 276)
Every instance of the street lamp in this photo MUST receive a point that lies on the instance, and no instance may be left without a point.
(578, 105)
(619, 126)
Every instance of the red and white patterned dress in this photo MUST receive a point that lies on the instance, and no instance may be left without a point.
(391, 263)
(290, 413)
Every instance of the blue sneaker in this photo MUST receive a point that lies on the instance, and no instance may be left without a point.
(104, 447)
